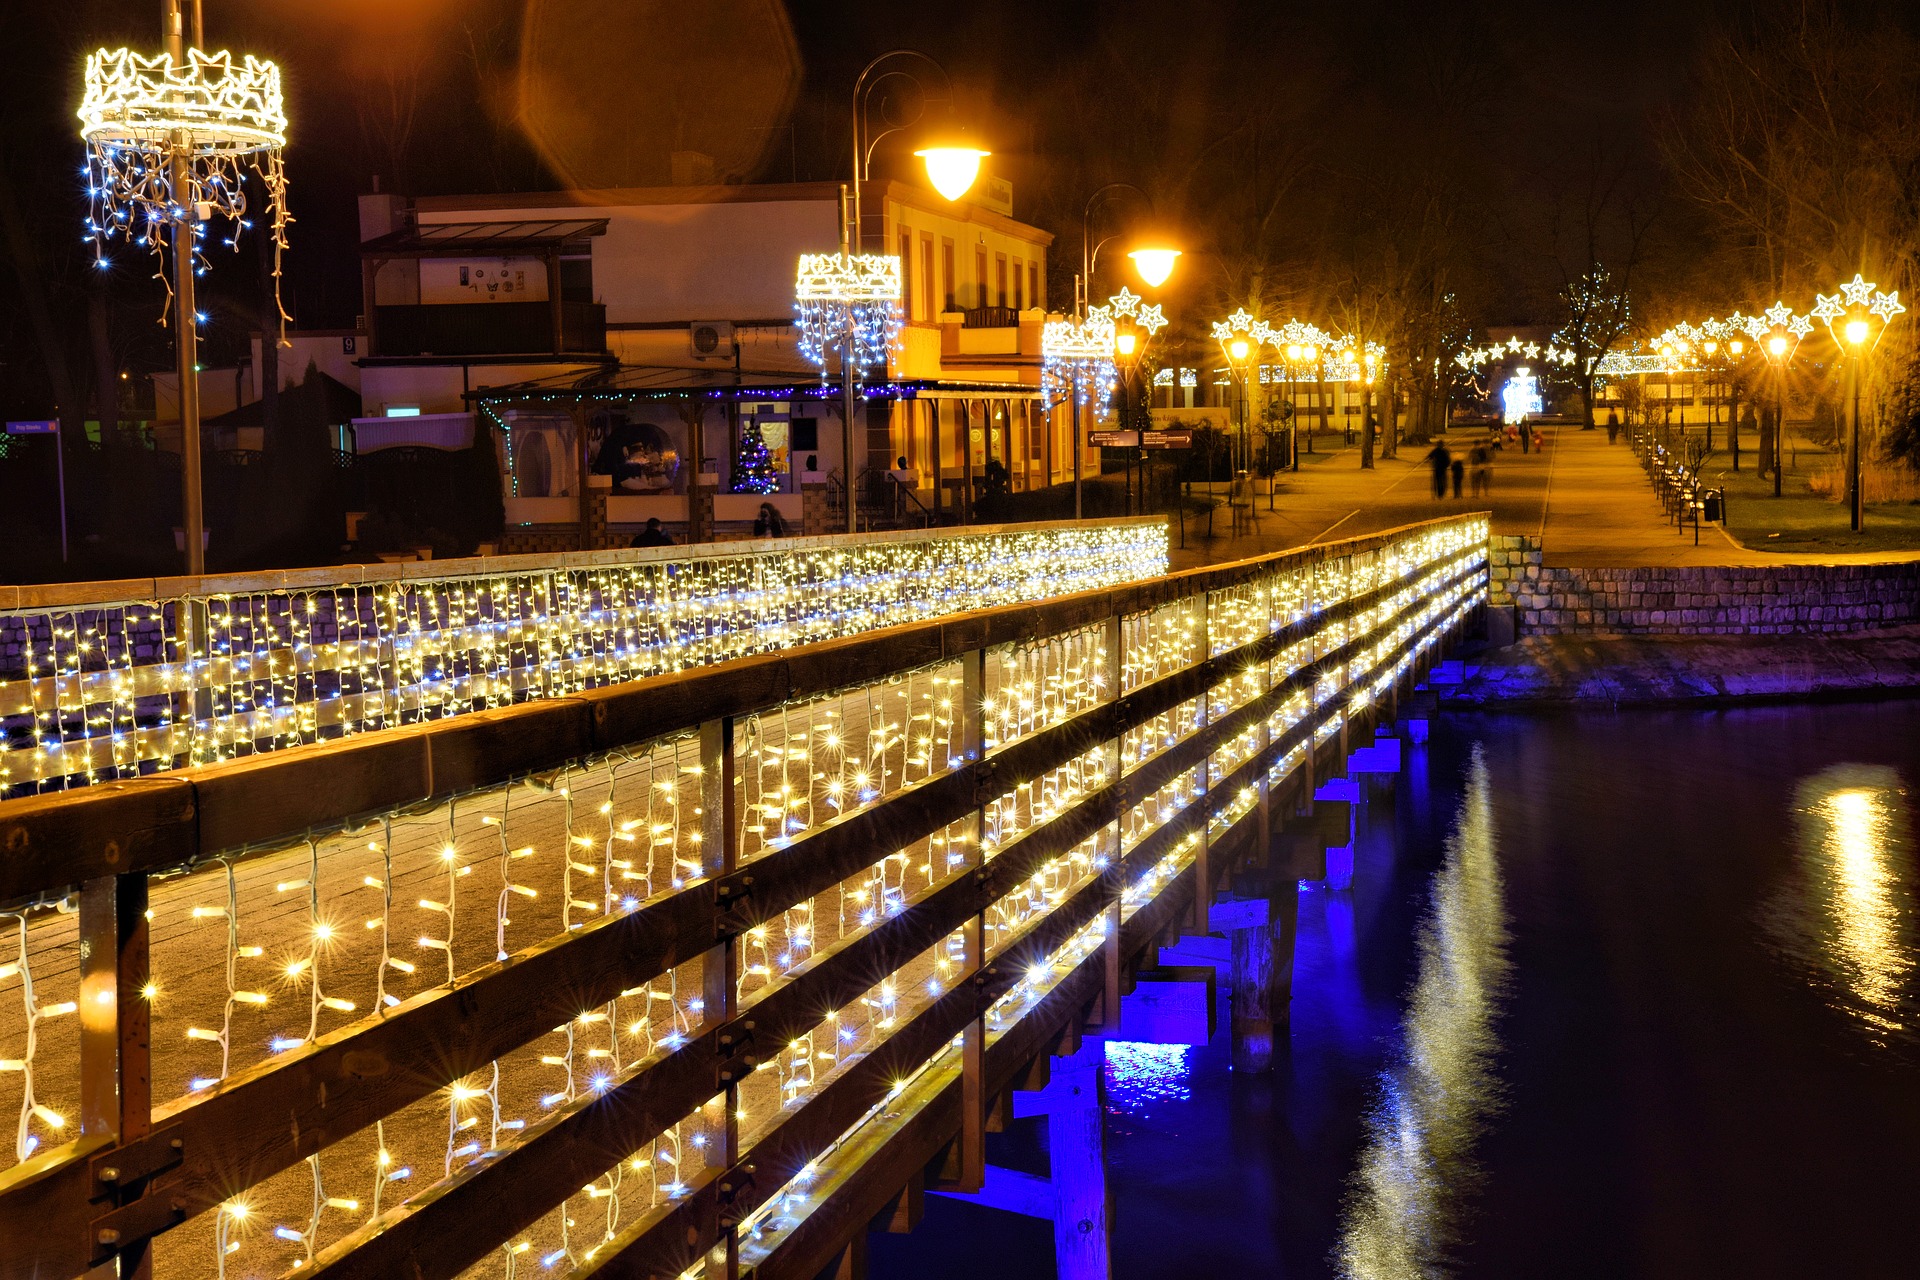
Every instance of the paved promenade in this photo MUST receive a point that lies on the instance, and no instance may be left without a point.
(1590, 501)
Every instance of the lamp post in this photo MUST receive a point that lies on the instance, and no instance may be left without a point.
(853, 303)
(1128, 346)
(1153, 258)
(1856, 325)
(169, 140)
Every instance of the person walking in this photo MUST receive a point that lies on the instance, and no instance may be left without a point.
(1442, 462)
(1526, 436)
(1459, 474)
(1481, 460)
(1613, 425)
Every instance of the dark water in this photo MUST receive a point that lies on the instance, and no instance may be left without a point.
(1633, 995)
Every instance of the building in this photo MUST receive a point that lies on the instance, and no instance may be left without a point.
(624, 340)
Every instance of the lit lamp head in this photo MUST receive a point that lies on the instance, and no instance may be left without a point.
(1856, 331)
(1126, 341)
(1712, 346)
(1154, 263)
(1738, 347)
(1238, 349)
(1777, 346)
(953, 163)
(1311, 352)
(1293, 351)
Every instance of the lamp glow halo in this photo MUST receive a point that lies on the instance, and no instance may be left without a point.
(139, 115)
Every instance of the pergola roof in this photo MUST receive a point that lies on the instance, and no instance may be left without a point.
(485, 239)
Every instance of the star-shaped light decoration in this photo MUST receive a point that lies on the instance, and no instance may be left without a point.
(1125, 303)
(1886, 306)
(1513, 344)
(1778, 314)
(1533, 350)
(1858, 291)
(1828, 309)
(1151, 319)
(1800, 326)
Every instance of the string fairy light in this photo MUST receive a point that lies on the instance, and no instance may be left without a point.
(631, 821)
(118, 690)
(848, 305)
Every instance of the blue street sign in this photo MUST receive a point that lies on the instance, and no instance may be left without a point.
(33, 427)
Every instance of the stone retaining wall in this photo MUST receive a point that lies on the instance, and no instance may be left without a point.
(1704, 600)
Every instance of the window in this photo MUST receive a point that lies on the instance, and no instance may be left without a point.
(1033, 285)
(1019, 294)
(980, 275)
(926, 274)
(1000, 279)
(946, 274)
(906, 271)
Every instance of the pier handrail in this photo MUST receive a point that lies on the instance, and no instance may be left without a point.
(1155, 716)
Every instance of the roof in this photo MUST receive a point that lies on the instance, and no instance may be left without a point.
(639, 382)
(338, 403)
(464, 239)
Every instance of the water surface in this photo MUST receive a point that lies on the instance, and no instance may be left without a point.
(1628, 995)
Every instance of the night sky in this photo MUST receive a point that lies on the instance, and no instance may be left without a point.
(1323, 113)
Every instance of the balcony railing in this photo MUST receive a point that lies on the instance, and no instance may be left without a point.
(990, 318)
(489, 329)
(705, 964)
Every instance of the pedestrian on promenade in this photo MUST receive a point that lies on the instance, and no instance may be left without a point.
(1441, 461)
(1481, 460)
(1526, 436)
(1459, 474)
(1613, 425)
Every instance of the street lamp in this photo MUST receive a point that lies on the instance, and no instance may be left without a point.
(1856, 325)
(850, 303)
(1241, 337)
(1153, 255)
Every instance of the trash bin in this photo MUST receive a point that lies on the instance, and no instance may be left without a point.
(1712, 505)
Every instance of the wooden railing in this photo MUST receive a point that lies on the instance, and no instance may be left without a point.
(692, 971)
(121, 679)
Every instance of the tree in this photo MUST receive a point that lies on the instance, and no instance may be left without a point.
(753, 465)
(1596, 316)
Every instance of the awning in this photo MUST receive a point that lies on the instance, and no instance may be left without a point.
(485, 239)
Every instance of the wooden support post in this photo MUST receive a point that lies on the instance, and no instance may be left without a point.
(972, 1146)
(1262, 976)
(719, 851)
(1077, 1147)
(116, 1070)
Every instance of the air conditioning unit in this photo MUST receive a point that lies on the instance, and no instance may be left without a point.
(711, 339)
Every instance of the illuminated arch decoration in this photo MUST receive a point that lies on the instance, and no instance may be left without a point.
(212, 119)
(848, 305)
(1479, 359)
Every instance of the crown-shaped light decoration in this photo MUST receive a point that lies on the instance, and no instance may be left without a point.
(848, 304)
(1077, 355)
(221, 120)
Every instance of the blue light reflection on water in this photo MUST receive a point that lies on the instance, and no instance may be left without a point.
(1140, 1076)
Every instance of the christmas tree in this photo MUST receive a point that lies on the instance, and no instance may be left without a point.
(753, 465)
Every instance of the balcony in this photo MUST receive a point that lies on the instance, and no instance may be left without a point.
(490, 329)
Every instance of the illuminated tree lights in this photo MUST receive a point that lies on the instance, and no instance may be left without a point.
(151, 124)
(848, 305)
(753, 465)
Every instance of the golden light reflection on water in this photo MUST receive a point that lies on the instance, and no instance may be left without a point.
(1402, 1214)
(1858, 857)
